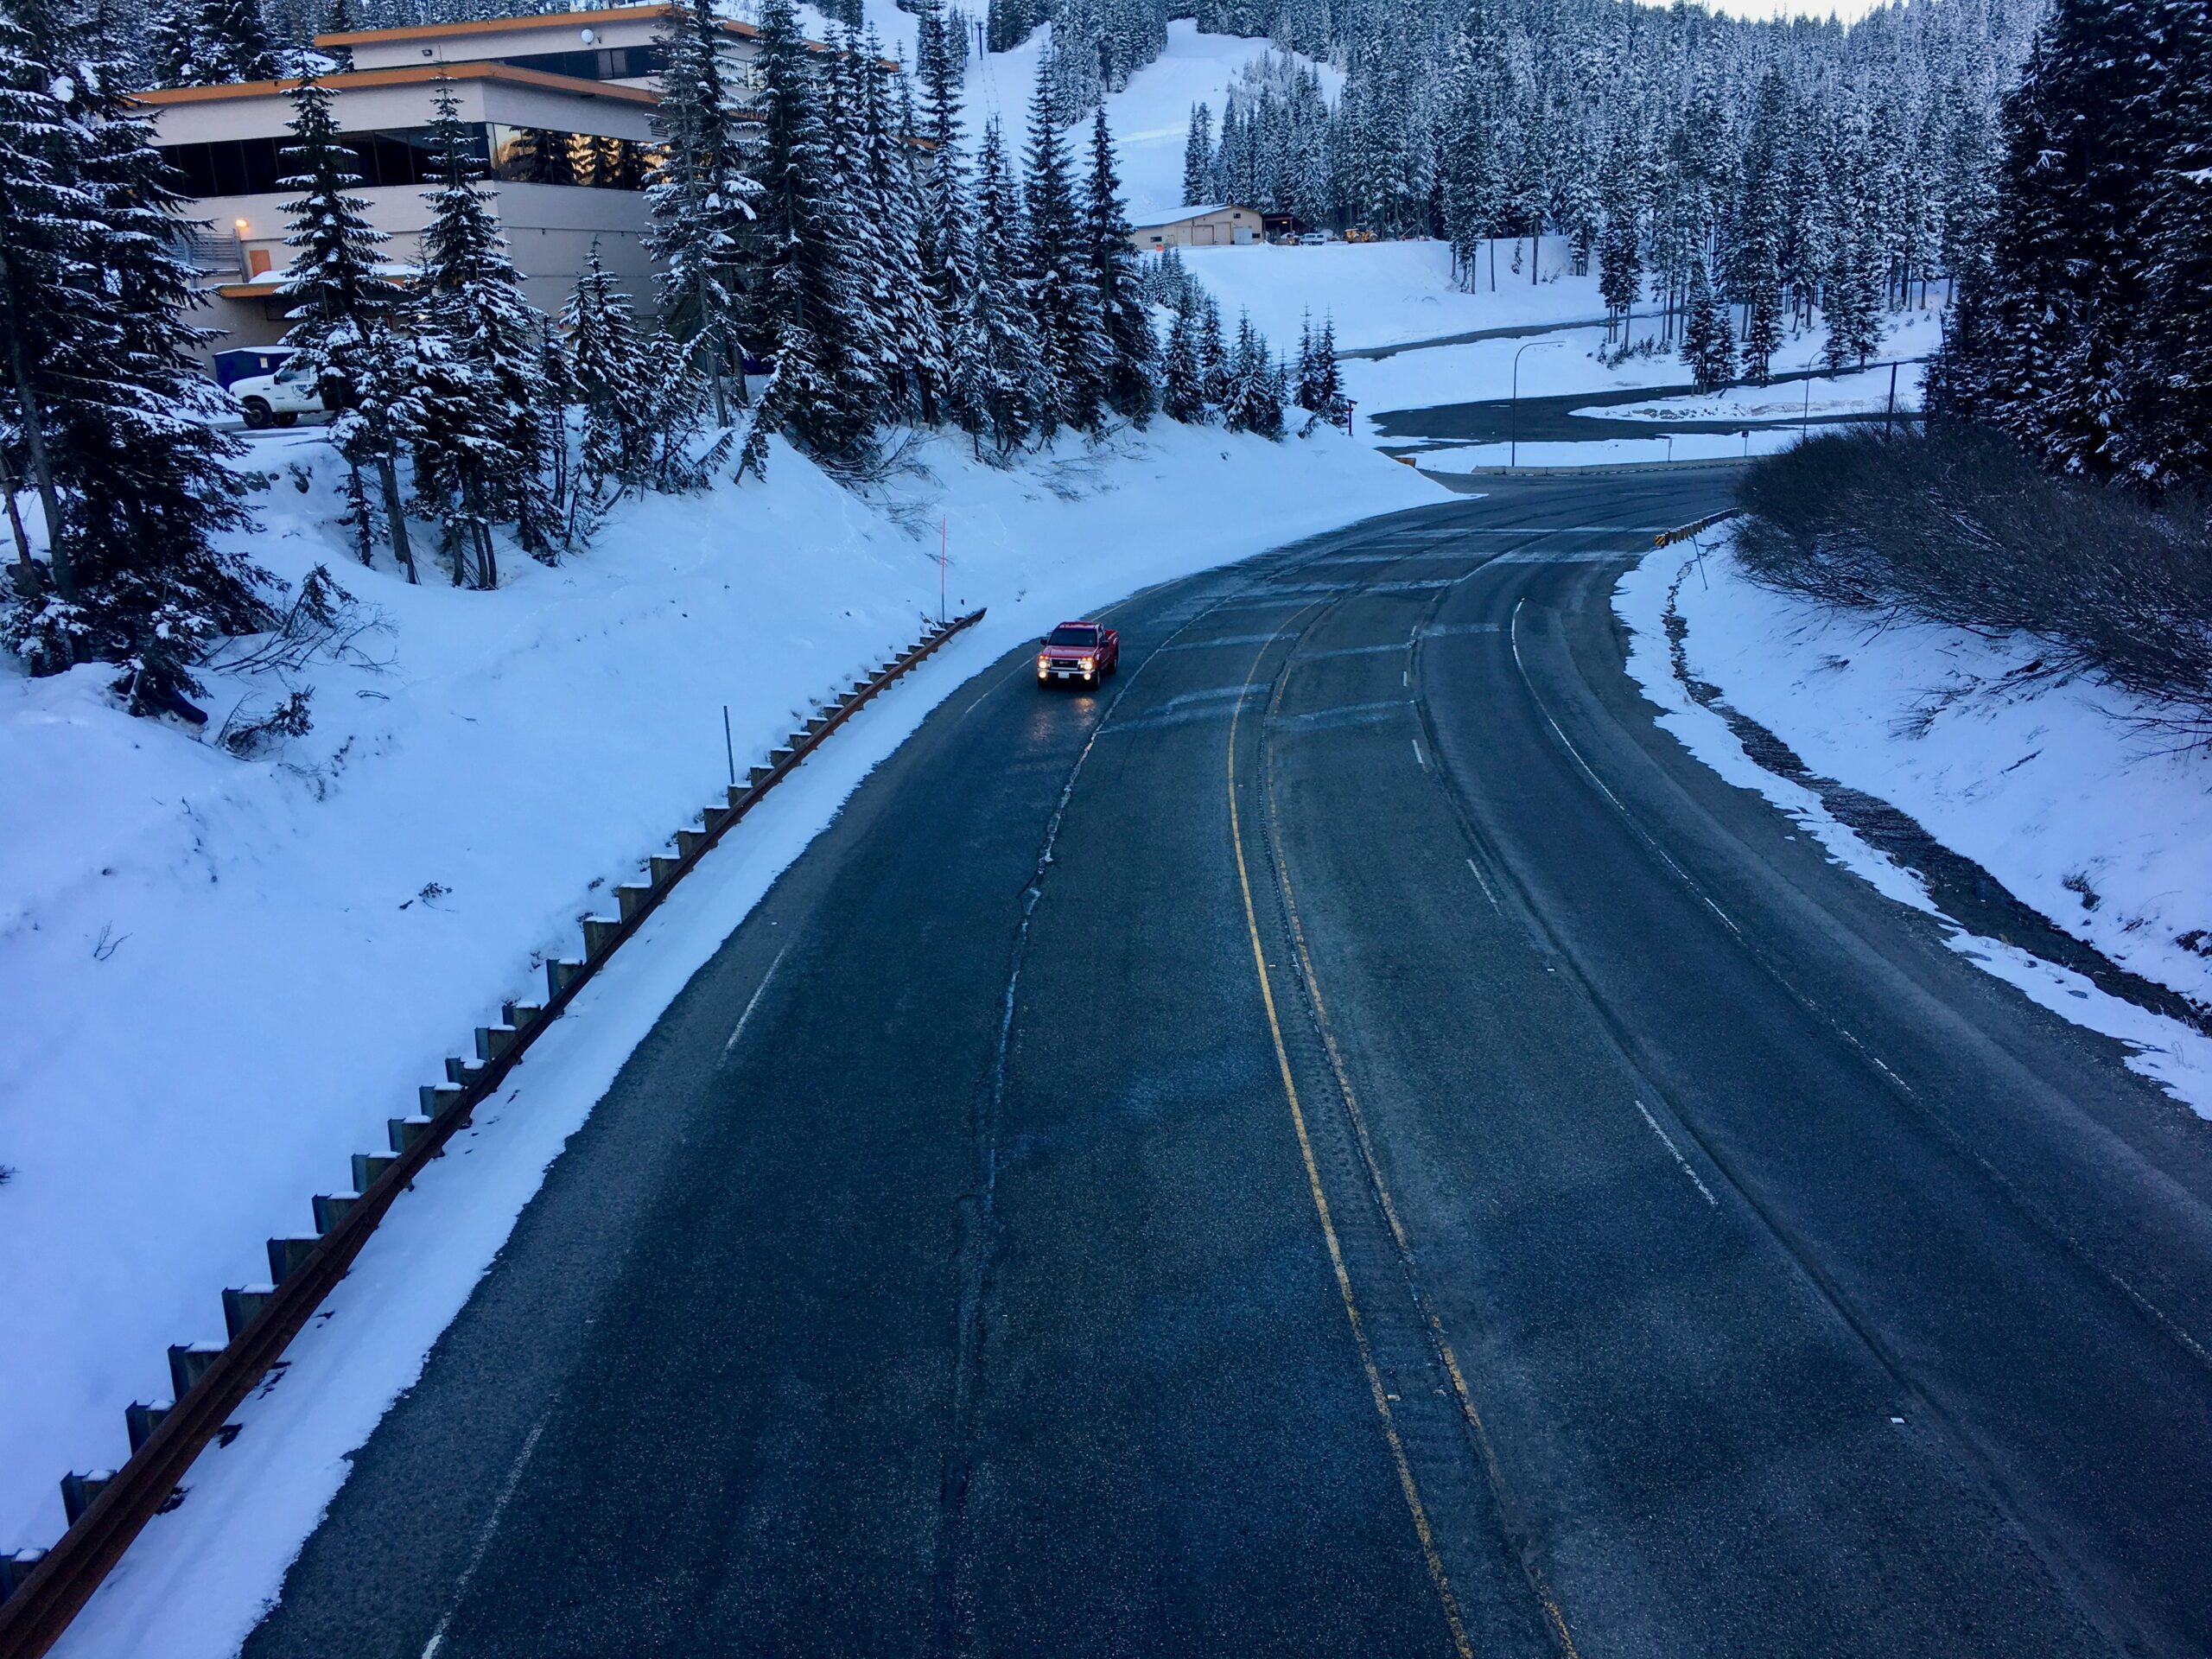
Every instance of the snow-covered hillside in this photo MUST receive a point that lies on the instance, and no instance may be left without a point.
(1389, 293)
(1150, 117)
(223, 975)
(2055, 788)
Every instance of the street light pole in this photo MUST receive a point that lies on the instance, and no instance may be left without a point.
(1513, 411)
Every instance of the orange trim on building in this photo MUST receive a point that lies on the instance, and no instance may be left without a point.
(536, 20)
(412, 75)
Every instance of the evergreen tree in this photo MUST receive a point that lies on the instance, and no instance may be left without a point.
(341, 302)
(608, 365)
(1762, 311)
(1072, 349)
(1213, 355)
(208, 43)
(995, 357)
(1620, 270)
(1252, 398)
(1708, 344)
(479, 437)
(171, 32)
(2168, 435)
(112, 419)
(1320, 384)
(1198, 184)
(1183, 374)
(701, 202)
(823, 393)
(945, 230)
(1116, 277)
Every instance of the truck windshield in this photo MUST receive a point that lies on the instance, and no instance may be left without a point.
(1073, 637)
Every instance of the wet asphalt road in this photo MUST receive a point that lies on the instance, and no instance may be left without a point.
(1348, 1141)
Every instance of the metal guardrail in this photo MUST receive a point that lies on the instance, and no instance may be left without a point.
(32, 1618)
(1684, 532)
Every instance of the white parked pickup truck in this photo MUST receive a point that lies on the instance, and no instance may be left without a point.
(277, 399)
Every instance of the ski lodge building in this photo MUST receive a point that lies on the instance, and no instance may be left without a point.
(560, 107)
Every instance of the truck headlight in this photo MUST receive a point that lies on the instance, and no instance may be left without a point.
(1089, 662)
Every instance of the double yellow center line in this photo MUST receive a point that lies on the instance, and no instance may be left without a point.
(1407, 1483)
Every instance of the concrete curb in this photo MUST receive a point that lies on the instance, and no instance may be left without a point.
(41, 1590)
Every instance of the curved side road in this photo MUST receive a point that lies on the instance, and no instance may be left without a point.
(1347, 1140)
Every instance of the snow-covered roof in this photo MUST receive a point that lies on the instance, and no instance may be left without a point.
(1198, 213)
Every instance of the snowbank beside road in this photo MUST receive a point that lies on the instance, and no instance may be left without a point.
(224, 976)
(2053, 787)
(1864, 393)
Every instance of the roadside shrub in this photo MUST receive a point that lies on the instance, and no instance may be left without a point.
(1958, 526)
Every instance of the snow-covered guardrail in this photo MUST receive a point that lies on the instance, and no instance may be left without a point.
(43, 1591)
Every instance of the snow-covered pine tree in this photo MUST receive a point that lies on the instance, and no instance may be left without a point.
(701, 202)
(1009, 23)
(1182, 375)
(1071, 339)
(1320, 388)
(996, 375)
(113, 419)
(171, 50)
(1762, 280)
(214, 43)
(2084, 140)
(822, 393)
(1212, 353)
(2167, 437)
(480, 443)
(1198, 181)
(1708, 343)
(341, 298)
(607, 365)
(866, 249)
(945, 228)
(1620, 268)
(1252, 399)
(1116, 276)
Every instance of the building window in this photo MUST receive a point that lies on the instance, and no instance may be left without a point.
(610, 63)
(253, 166)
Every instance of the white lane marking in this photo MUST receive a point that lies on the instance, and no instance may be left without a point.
(484, 1540)
(1668, 1142)
(1405, 676)
(1512, 632)
(1418, 760)
(1483, 881)
(738, 1030)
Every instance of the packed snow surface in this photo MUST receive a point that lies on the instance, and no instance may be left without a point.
(2056, 787)
(225, 974)
(1389, 293)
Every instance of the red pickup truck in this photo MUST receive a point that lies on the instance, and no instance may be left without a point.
(1087, 651)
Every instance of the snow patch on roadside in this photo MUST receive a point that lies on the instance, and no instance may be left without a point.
(2050, 786)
